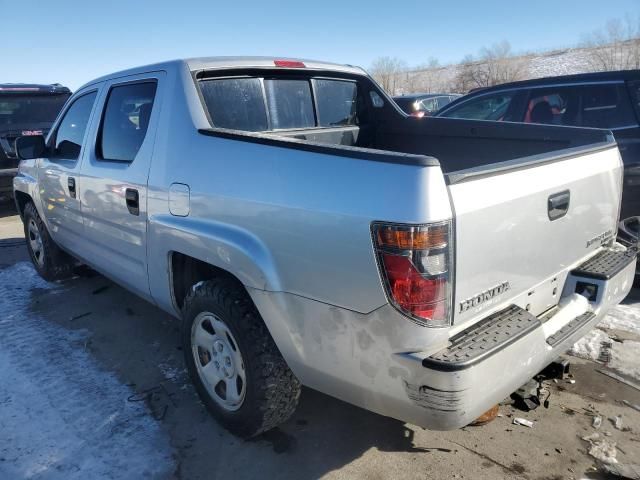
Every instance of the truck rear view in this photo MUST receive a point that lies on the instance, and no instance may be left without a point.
(306, 231)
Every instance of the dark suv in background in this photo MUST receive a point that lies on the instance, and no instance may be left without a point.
(24, 110)
(608, 100)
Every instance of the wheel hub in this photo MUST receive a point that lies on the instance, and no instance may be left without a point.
(223, 355)
(218, 361)
(35, 242)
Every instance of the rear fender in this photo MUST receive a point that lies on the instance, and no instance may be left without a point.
(221, 245)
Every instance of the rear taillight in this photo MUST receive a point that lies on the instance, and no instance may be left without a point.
(415, 266)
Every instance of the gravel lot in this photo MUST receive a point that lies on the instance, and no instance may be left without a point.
(92, 385)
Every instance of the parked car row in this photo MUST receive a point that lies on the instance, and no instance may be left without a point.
(25, 109)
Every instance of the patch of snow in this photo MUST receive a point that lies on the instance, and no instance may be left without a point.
(601, 449)
(623, 317)
(624, 358)
(625, 354)
(589, 346)
(173, 373)
(61, 416)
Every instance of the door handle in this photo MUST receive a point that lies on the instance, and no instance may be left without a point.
(133, 201)
(558, 204)
(71, 184)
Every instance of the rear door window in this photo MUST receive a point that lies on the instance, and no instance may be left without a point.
(235, 103)
(290, 103)
(606, 106)
(553, 106)
(487, 107)
(336, 101)
(125, 121)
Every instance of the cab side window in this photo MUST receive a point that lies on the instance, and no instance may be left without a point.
(125, 121)
(70, 133)
(487, 107)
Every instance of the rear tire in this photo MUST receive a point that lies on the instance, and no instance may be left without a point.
(48, 259)
(234, 362)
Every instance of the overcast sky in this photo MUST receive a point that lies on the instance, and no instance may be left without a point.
(71, 42)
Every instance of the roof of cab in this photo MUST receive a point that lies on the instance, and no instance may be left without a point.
(214, 63)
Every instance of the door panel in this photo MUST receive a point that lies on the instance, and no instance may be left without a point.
(60, 205)
(114, 180)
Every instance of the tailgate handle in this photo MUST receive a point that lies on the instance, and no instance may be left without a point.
(558, 204)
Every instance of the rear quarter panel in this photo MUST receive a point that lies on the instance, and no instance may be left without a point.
(280, 219)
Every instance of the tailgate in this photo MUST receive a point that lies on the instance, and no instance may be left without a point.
(520, 229)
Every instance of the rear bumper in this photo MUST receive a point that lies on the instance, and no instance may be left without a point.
(382, 362)
(454, 393)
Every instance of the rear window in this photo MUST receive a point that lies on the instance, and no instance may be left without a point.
(606, 106)
(268, 104)
(443, 101)
(336, 101)
(26, 110)
(429, 105)
(235, 103)
(290, 103)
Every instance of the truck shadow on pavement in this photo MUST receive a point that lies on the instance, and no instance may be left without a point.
(140, 344)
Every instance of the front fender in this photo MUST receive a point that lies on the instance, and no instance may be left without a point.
(26, 182)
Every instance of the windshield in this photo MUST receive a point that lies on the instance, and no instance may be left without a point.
(30, 109)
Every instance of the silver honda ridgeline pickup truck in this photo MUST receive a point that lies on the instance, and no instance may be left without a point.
(307, 232)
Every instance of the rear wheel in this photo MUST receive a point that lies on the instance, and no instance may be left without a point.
(48, 259)
(234, 362)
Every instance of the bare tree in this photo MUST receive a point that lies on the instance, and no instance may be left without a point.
(495, 65)
(616, 46)
(387, 72)
(424, 78)
(500, 65)
(465, 79)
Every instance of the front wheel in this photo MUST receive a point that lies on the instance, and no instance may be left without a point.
(48, 259)
(234, 362)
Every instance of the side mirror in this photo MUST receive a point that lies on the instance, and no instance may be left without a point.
(31, 146)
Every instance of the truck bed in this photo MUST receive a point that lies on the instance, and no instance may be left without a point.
(460, 147)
